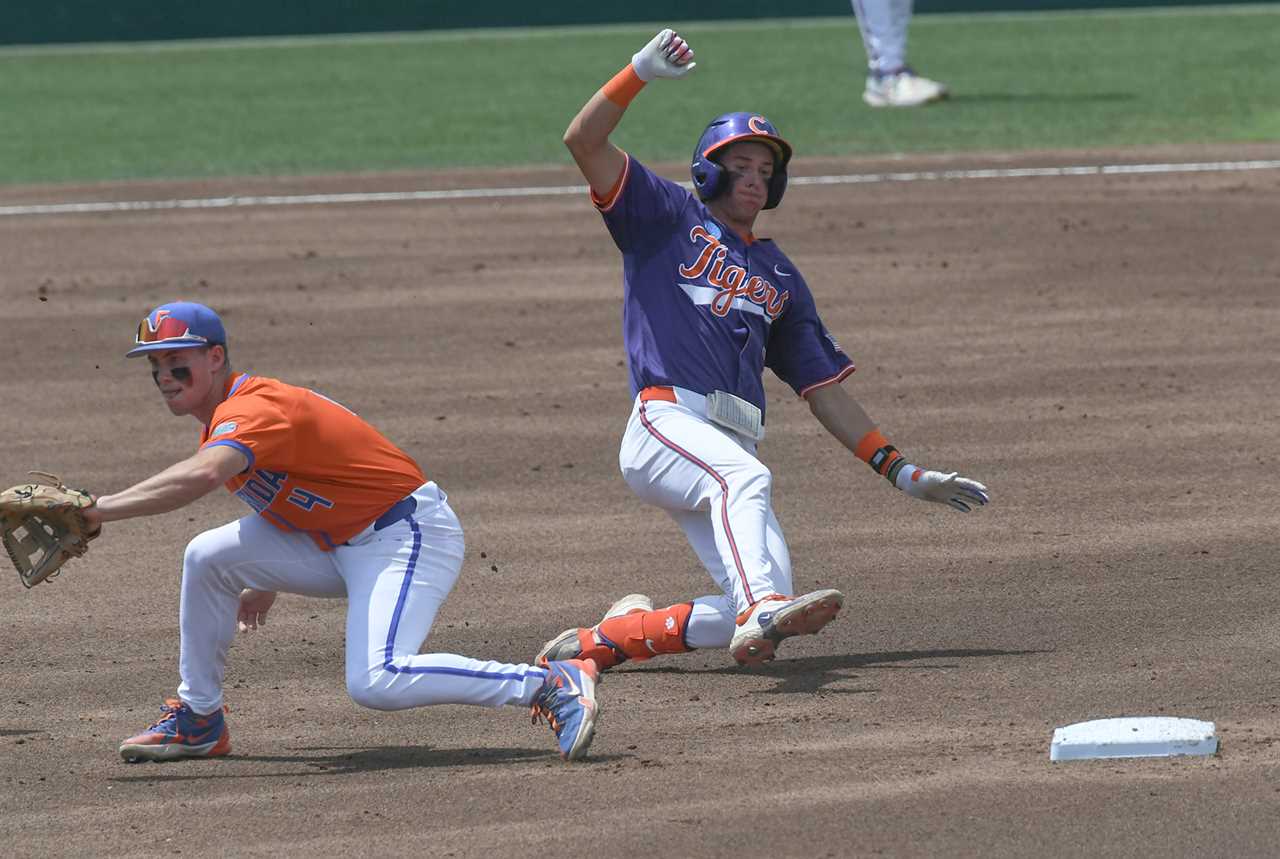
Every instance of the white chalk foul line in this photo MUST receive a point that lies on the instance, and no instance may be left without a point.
(563, 190)
(1018, 172)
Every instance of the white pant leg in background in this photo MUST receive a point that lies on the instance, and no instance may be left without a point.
(883, 24)
(675, 458)
(395, 579)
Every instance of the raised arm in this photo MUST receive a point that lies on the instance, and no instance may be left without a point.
(848, 422)
(666, 56)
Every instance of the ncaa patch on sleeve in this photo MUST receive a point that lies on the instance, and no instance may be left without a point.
(225, 427)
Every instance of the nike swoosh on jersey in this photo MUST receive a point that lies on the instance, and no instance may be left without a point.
(780, 273)
(704, 295)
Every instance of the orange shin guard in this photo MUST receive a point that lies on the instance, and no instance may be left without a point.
(591, 647)
(642, 634)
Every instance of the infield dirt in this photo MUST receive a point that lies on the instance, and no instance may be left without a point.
(1103, 352)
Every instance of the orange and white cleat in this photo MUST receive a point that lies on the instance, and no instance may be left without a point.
(762, 627)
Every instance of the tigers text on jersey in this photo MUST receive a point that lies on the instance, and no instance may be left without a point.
(705, 310)
(314, 465)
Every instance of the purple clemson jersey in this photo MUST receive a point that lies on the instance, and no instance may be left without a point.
(705, 310)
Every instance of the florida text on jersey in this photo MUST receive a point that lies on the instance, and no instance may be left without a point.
(314, 466)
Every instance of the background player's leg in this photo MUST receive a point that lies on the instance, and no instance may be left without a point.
(397, 579)
(681, 463)
(218, 564)
(899, 21)
(883, 25)
(891, 82)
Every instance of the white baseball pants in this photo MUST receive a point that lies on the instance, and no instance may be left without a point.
(883, 24)
(395, 579)
(710, 481)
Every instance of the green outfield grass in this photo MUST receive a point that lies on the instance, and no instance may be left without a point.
(504, 97)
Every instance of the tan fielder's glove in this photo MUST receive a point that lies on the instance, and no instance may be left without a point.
(43, 526)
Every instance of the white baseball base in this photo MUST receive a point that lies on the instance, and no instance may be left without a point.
(1133, 737)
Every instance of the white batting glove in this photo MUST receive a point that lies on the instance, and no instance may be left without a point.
(960, 492)
(666, 56)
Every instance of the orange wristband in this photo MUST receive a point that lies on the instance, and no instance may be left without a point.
(623, 87)
(874, 449)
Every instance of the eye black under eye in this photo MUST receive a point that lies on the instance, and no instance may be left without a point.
(182, 374)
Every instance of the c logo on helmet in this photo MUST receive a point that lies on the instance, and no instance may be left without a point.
(759, 125)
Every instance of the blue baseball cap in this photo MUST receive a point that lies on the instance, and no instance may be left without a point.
(178, 325)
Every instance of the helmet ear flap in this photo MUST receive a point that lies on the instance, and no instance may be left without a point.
(708, 178)
(777, 187)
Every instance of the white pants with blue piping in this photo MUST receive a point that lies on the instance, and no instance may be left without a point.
(395, 580)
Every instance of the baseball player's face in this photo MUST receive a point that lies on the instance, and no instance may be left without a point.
(184, 377)
(749, 164)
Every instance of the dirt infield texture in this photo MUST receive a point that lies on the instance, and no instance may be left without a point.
(1103, 352)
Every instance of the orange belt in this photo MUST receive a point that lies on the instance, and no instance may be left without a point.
(658, 392)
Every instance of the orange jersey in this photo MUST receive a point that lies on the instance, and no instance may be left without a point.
(314, 466)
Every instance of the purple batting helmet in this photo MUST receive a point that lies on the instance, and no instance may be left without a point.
(709, 177)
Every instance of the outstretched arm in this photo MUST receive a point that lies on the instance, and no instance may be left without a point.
(176, 486)
(845, 419)
(840, 414)
(666, 56)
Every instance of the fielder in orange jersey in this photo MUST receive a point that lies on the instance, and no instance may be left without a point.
(337, 510)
